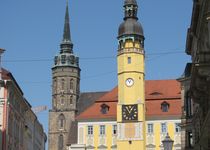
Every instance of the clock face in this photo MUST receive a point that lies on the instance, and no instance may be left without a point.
(129, 82)
(130, 112)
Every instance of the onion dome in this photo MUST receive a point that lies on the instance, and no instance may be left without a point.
(130, 26)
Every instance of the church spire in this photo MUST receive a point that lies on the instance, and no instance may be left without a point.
(66, 44)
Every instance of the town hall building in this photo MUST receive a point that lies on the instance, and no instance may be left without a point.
(136, 114)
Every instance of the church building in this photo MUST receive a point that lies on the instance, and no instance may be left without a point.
(136, 114)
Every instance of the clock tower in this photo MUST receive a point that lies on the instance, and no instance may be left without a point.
(131, 93)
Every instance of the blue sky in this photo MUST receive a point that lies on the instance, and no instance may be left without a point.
(31, 31)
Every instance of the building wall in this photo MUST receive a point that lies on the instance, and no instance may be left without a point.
(96, 140)
(1, 113)
(198, 46)
(153, 140)
(18, 119)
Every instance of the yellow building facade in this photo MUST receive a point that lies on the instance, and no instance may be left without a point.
(91, 136)
(138, 114)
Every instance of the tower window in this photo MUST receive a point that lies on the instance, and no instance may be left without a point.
(164, 107)
(71, 84)
(62, 101)
(55, 85)
(60, 142)
(63, 59)
(56, 60)
(62, 84)
(71, 100)
(129, 60)
(61, 121)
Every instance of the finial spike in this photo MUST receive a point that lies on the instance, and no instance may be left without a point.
(66, 34)
(66, 45)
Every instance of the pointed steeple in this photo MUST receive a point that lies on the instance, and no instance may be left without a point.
(66, 44)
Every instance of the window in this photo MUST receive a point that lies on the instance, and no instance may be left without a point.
(164, 107)
(62, 101)
(60, 142)
(61, 121)
(55, 85)
(102, 129)
(62, 84)
(189, 139)
(150, 128)
(114, 129)
(71, 84)
(163, 128)
(177, 127)
(90, 130)
(104, 108)
(71, 100)
(63, 59)
(129, 60)
(188, 104)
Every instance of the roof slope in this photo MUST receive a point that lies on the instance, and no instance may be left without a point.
(157, 92)
(88, 99)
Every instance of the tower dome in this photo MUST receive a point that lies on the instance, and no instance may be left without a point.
(130, 26)
(130, 2)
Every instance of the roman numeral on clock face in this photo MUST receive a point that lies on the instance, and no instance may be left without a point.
(130, 112)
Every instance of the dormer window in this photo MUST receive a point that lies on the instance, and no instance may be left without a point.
(156, 93)
(164, 107)
(104, 108)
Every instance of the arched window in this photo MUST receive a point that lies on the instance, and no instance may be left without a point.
(55, 85)
(71, 84)
(60, 142)
(71, 100)
(62, 101)
(62, 84)
(61, 121)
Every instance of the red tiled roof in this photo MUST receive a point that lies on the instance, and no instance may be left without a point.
(157, 92)
(162, 89)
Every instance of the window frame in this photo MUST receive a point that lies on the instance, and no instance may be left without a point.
(149, 129)
(114, 129)
(162, 127)
(129, 60)
(102, 130)
(90, 130)
(165, 106)
(177, 127)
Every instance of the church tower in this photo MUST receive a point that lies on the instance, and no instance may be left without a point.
(65, 91)
(131, 82)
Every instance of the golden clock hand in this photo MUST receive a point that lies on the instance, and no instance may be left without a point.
(127, 110)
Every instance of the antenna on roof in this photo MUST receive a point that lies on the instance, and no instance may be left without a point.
(1, 52)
